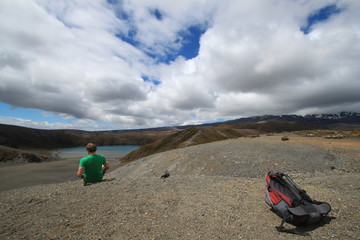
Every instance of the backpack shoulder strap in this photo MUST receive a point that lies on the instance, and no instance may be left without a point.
(281, 228)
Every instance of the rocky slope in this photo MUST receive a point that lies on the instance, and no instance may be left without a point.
(214, 191)
(188, 137)
(201, 135)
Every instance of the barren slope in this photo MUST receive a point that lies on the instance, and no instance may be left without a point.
(215, 191)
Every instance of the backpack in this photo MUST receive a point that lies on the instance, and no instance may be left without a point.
(292, 203)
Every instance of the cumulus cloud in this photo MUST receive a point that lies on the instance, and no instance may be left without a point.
(88, 59)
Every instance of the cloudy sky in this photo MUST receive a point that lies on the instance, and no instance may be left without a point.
(137, 64)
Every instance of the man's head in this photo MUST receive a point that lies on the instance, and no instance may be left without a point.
(91, 147)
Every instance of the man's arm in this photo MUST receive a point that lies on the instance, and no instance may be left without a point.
(80, 171)
(106, 165)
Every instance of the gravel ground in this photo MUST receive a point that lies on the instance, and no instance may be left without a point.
(215, 191)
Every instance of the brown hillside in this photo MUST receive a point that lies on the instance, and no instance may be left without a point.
(21, 137)
(23, 144)
(188, 137)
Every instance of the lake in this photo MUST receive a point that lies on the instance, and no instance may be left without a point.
(110, 152)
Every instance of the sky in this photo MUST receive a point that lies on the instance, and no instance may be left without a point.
(130, 64)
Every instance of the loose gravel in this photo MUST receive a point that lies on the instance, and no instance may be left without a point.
(214, 191)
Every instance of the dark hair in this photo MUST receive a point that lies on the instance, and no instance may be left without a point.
(91, 147)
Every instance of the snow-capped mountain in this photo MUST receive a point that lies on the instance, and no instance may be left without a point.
(344, 117)
(328, 118)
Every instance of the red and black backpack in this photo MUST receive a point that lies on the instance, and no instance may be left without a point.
(291, 202)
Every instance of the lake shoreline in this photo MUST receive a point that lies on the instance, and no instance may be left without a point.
(56, 169)
(32, 174)
(16, 157)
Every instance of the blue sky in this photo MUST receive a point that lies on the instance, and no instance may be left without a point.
(320, 15)
(132, 64)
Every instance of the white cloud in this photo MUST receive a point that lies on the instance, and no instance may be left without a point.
(66, 57)
(80, 124)
(161, 36)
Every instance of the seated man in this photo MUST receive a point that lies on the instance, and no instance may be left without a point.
(92, 167)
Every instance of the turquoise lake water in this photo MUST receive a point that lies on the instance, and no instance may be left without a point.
(108, 151)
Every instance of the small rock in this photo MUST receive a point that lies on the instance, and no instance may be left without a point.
(166, 174)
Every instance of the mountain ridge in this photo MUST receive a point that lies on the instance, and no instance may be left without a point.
(18, 137)
(323, 118)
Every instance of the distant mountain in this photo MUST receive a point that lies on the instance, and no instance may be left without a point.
(342, 117)
(329, 118)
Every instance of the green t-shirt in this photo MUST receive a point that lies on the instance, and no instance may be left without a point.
(93, 167)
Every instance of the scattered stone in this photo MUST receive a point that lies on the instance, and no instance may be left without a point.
(166, 174)
(254, 136)
(336, 136)
(33, 158)
(285, 138)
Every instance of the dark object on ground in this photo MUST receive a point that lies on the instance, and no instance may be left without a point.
(292, 203)
(284, 139)
(166, 174)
